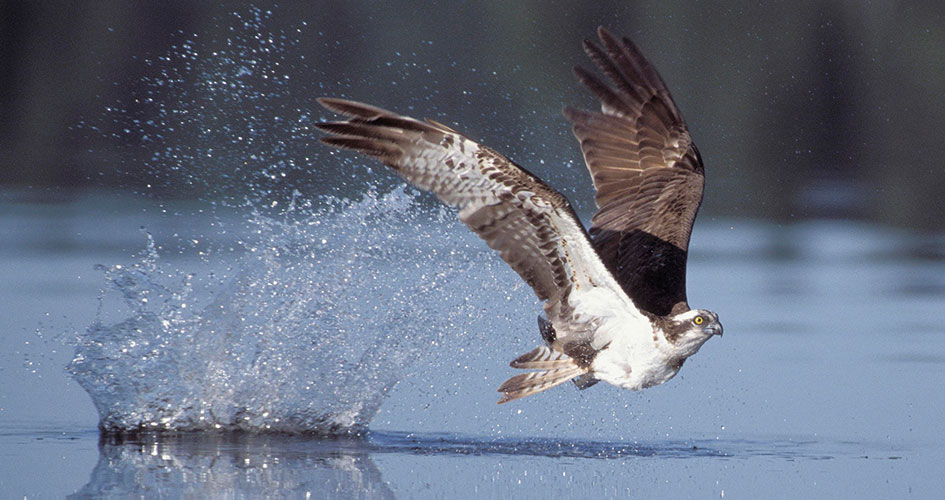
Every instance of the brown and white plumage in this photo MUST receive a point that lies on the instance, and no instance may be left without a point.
(616, 306)
(647, 171)
(511, 209)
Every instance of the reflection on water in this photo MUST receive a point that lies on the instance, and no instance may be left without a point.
(208, 465)
(245, 465)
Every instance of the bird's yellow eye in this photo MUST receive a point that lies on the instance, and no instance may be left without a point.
(698, 320)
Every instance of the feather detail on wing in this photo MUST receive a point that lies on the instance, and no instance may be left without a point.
(647, 171)
(542, 358)
(526, 384)
(532, 226)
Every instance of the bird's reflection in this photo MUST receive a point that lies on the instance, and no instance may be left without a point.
(234, 466)
(202, 465)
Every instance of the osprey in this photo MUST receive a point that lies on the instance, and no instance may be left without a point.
(615, 305)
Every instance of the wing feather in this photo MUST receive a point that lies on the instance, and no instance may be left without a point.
(532, 226)
(647, 171)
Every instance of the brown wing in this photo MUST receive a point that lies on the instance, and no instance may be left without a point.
(532, 226)
(648, 174)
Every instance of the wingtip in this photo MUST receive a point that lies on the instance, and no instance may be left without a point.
(610, 42)
(590, 47)
(603, 33)
(582, 74)
(333, 103)
(348, 107)
(326, 126)
(572, 114)
(613, 43)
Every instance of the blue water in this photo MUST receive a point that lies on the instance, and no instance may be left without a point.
(290, 345)
(384, 316)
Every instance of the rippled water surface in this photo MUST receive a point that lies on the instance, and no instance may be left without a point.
(304, 346)
(248, 336)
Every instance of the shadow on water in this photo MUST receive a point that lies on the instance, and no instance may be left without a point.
(453, 444)
(197, 464)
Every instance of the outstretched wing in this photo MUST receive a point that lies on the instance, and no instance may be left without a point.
(647, 171)
(532, 226)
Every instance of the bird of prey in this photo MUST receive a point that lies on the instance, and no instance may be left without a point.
(615, 306)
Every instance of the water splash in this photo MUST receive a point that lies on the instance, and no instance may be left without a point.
(310, 329)
(309, 335)
(224, 115)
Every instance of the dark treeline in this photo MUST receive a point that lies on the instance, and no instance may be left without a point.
(801, 109)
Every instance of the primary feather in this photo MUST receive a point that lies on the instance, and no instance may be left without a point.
(615, 300)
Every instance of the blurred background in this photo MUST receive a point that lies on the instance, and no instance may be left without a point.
(801, 109)
(147, 150)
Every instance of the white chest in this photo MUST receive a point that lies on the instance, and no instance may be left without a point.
(636, 361)
(630, 355)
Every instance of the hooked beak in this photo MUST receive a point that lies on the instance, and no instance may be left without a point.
(716, 329)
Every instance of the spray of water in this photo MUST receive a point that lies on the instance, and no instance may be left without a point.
(329, 303)
(310, 333)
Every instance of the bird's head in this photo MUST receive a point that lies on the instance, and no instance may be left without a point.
(688, 330)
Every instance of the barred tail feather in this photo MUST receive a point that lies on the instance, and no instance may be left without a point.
(530, 383)
(542, 358)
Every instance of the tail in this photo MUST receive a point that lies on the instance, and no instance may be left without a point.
(554, 368)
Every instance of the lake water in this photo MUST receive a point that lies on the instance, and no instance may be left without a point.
(246, 336)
